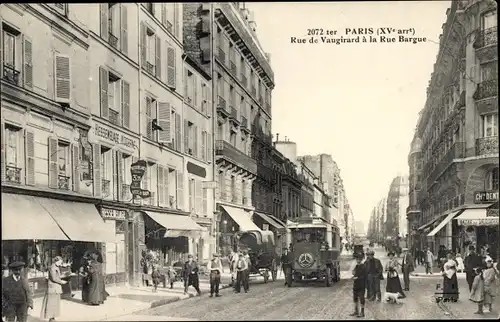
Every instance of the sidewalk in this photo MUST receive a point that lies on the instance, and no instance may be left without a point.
(124, 300)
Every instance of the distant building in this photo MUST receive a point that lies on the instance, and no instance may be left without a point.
(359, 227)
(396, 223)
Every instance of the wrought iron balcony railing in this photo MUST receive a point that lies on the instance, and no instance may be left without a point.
(485, 38)
(13, 174)
(226, 150)
(113, 40)
(114, 117)
(150, 68)
(486, 89)
(126, 195)
(487, 145)
(233, 69)
(244, 80)
(11, 74)
(63, 182)
(221, 54)
(105, 187)
(456, 151)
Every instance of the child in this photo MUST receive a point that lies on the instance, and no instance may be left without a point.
(359, 286)
(477, 291)
(489, 276)
(156, 277)
(172, 274)
(460, 263)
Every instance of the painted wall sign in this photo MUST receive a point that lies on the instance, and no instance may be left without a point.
(488, 221)
(113, 214)
(485, 196)
(137, 170)
(113, 136)
(196, 170)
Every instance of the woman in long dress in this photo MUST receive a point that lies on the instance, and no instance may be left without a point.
(393, 283)
(95, 285)
(51, 305)
(450, 282)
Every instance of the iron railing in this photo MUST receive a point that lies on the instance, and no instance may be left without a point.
(150, 68)
(63, 182)
(13, 174)
(487, 145)
(234, 113)
(244, 122)
(254, 91)
(244, 80)
(486, 89)
(222, 103)
(233, 69)
(113, 40)
(486, 37)
(105, 187)
(114, 117)
(11, 74)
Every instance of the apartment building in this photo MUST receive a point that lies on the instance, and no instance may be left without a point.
(413, 212)
(458, 130)
(397, 203)
(221, 38)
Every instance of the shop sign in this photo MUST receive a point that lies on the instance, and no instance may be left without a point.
(137, 170)
(113, 136)
(485, 196)
(491, 221)
(113, 214)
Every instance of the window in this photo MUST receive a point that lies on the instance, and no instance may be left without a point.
(192, 195)
(172, 188)
(233, 189)
(114, 25)
(244, 144)
(150, 7)
(489, 71)
(9, 48)
(125, 175)
(489, 20)
(490, 125)
(158, 117)
(244, 190)
(13, 56)
(13, 153)
(106, 172)
(190, 138)
(63, 164)
(115, 98)
(150, 52)
(204, 145)
(221, 185)
(492, 179)
(232, 138)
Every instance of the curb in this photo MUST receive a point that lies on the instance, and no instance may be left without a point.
(166, 301)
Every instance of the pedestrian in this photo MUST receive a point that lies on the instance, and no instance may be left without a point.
(477, 290)
(99, 259)
(407, 267)
(172, 276)
(450, 281)
(460, 263)
(393, 284)
(191, 277)
(215, 268)
(490, 275)
(429, 260)
(51, 305)
(155, 277)
(241, 267)
(375, 271)
(84, 273)
(95, 282)
(359, 287)
(472, 261)
(249, 266)
(16, 294)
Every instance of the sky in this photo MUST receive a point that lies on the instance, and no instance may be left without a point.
(358, 102)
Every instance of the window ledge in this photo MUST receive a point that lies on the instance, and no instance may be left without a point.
(114, 50)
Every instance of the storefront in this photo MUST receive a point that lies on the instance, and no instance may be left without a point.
(35, 229)
(233, 220)
(270, 223)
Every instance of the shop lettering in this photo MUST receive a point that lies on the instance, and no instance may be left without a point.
(113, 136)
(493, 221)
(485, 196)
(113, 214)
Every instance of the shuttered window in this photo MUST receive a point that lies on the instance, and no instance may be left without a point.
(178, 133)
(171, 67)
(204, 210)
(125, 104)
(209, 147)
(199, 197)
(203, 145)
(180, 190)
(62, 78)
(164, 122)
(28, 63)
(114, 25)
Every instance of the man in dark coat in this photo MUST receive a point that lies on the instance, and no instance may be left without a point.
(407, 267)
(286, 262)
(16, 295)
(374, 270)
(191, 275)
(359, 287)
(471, 262)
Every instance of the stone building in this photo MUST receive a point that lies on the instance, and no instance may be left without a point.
(90, 95)
(396, 224)
(458, 130)
(414, 185)
(221, 38)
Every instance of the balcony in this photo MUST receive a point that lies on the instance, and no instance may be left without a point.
(11, 74)
(105, 188)
(244, 80)
(63, 182)
(221, 55)
(485, 38)
(457, 151)
(233, 68)
(234, 115)
(244, 125)
(113, 40)
(486, 89)
(486, 146)
(222, 107)
(114, 117)
(126, 195)
(225, 150)
(150, 68)
(13, 174)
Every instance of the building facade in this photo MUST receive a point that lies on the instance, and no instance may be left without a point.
(413, 213)
(458, 130)
(396, 225)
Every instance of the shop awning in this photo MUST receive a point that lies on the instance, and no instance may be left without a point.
(271, 220)
(428, 224)
(241, 218)
(176, 225)
(476, 217)
(24, 218)
(80, 221)
(443, 223)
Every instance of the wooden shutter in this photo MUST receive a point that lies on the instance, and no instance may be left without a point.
(29, 146)
(180, 190)
(158, 57)
(209, 147)
(104, 8)
(205, 202)
(119, 175)
(149, 125)
(203, 149)
(177, 29)
(164, 14)
(53, 158)
(125, 112)
(186, 86)
(196, 153)
(96, 166)
(166, 188)
(104, 85)
(28, 63)
(209, 101)
(75, 153)
(2, 138)
(171, 77)
(63, 78)
(196, 102)
(178, 134)
(124, 28)
(186, 136)
(114, 175)
(161, 186)
(164, 115)
(199, 197)
(143, 44)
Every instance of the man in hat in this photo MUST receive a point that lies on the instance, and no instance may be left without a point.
(359, 286)
(215, 268)
(374, 270)
(407, 267)
(471, 262)
(241, 274)
(191, 275)
(16, 295)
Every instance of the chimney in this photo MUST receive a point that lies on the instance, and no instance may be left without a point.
(277, 137)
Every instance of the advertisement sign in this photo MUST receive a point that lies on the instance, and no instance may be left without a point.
(137, 170)
(485, 196)
(488, 221)
(113, 214)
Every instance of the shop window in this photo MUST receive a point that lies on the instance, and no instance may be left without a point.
(492, 178)
(14, 155)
